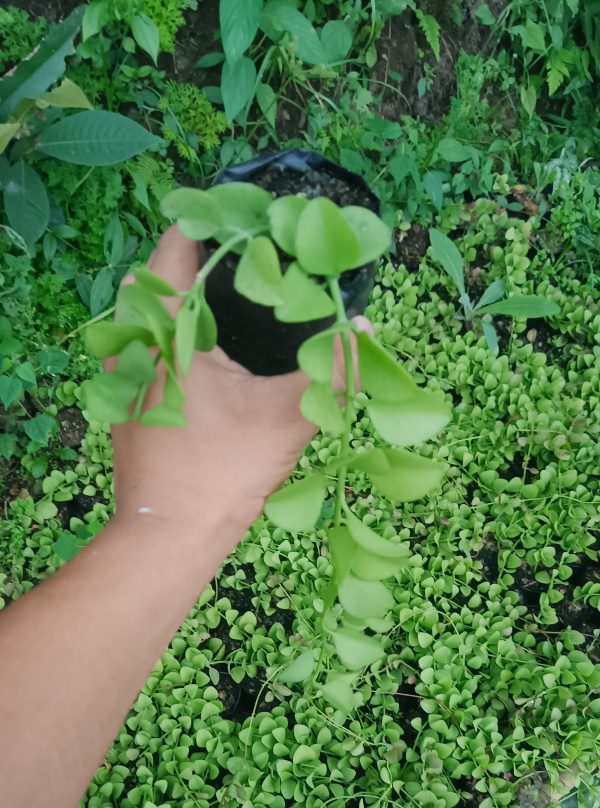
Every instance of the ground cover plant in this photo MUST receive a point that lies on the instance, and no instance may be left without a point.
(476, 124)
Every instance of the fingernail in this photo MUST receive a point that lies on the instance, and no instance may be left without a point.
(363, 324)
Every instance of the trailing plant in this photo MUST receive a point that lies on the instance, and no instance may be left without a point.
(320, 242)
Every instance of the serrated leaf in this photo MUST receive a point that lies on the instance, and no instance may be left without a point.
(26, 202)
(356, 650)
(431, 29)
(399, 475)
(445, 251)
(303, 299)
(522, 306)
(284, 215)
(411, 421)
(11, 389)
(97, 138)
(258, 275)
(325, 242)
(297, 506)
(299, 670)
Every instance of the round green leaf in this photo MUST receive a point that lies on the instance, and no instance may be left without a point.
(325, 242)
(197, 213)
(109, 339)
(297, 506)
(380, 375)
(284, 215)
(409, 422)
(303, 299)
(108, 396)
(153, 282)
(258, 275)
(315, 356)
(299, 670)
(374, 236)
(365, 599)
(238, 80)
(356, 650)
(242, 206)
(319, 405)
(399, 475)
(135, 363)
(26, 202)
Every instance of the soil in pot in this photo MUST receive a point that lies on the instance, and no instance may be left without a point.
(249, 333)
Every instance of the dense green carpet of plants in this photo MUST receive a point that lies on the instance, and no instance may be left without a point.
(488, 695)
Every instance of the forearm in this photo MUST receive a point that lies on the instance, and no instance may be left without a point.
(75, 651)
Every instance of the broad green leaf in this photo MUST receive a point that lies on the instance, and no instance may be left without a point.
(238, 24)
(338, 692)
(445, 252)
(522, 306)
(399, 475)
(186, 326)
(493, 293)
(411, 421)
(243, 208)
(238, 81)
(365, 599)
(343, 550)
(51, 360)
(380, 374)
(109, 339)
(374, 236)
(297, 506)
(26, 372)
(65, 546)
(453, 151)
(146, 35)
(356, 650)
(26, 202)
(102, 291)
(532, 36)
(7, 132)
(67, 96)
(267, 102)
(258, 275)
(152, 282)
(303, 299)
(299, 670)
(206, 332)
(108, 396)
(484, 15)
(325, 242)
(97, 14)
(197, 212)
(434, 187)
(284, 215)
(528, 96)
(137, 306)
(308, 45)
(97, 138)
(11, 389)
(135, 363)
(319, 405)
(33, 76)
(336, 39)
(315, 355)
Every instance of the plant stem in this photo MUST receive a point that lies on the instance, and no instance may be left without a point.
(336, 294)
(102, 316)
(223, 250)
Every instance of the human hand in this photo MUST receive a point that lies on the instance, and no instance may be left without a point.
(243, 437)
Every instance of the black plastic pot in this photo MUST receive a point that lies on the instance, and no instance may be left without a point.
(249, 333)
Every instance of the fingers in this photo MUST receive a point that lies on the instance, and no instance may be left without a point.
(177, 259)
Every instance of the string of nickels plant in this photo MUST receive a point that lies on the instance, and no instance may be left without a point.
(340, 496)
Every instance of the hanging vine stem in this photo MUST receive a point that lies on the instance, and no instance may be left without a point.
(340, 495)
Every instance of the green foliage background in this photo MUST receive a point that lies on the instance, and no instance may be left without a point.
(488, 694)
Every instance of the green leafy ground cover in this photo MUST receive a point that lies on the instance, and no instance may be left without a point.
(479, 121)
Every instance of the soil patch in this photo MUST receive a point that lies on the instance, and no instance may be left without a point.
(54, 11)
